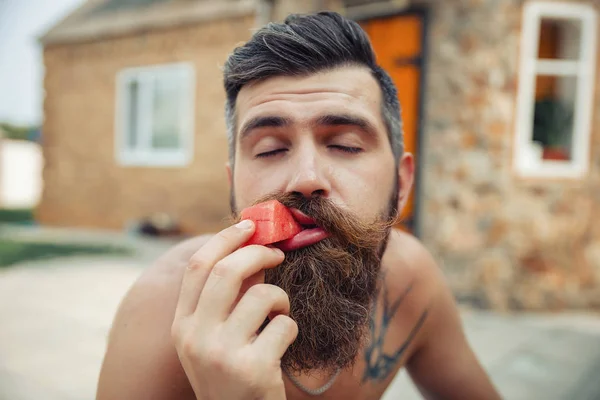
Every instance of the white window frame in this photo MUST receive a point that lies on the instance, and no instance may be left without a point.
(145, 155)
(583, 68)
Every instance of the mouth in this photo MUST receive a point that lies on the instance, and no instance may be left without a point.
(311, 233)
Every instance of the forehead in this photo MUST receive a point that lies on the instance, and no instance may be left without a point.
(351, 90)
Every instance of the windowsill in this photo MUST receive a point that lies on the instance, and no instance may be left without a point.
(548, 169)
(154, 159)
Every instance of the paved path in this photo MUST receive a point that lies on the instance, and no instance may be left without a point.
(54, 325)
(530, 357)
(55, 317)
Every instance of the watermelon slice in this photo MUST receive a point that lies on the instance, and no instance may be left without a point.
(274, 223)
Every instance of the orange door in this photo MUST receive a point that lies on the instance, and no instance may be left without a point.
(397, 42)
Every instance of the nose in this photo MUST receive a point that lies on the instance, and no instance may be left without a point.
(308, 178)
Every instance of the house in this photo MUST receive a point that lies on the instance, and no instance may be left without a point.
(499, 101)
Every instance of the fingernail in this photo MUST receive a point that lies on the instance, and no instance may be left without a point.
(278, 251)
(245, 224)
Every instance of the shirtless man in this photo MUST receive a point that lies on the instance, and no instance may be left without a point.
(314, 122)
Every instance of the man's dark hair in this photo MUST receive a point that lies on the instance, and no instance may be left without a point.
(303, 45)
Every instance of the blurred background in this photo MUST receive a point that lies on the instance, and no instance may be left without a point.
(113, 146)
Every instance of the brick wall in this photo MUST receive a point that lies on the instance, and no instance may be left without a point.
(83, 183)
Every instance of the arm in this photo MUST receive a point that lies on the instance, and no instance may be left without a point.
(444, 366)
(140, 361)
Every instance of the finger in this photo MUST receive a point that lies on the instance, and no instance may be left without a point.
(277, 336)
(225, 280)
(255, 279)
(202, 262)
(259, 302)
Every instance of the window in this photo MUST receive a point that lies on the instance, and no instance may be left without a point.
(155, 115)
(555, 98)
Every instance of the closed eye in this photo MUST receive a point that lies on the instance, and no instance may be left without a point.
(270, 153)
(346, 149)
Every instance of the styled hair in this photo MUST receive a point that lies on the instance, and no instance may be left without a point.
(304, 45)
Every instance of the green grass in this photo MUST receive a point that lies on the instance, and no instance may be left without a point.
(17, 215)
(16, 251)
(12, 252)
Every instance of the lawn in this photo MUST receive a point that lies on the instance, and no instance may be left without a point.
(16, 216)
(16, 251)
(12, 252)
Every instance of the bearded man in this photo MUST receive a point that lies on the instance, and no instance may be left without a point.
(315, 123)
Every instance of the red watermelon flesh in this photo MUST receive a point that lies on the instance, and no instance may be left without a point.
(274, 223)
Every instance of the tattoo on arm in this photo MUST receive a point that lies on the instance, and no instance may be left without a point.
(380, 364)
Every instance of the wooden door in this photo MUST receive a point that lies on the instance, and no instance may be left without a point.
(398, 44)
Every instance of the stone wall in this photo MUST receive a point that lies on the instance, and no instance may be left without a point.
(503, 241)
(84, 185)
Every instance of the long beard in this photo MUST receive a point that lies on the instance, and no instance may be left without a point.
(331, 285)
(331, 292)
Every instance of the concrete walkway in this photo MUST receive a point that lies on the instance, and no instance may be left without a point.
(55, 320)
(55, 317)
(550, 357)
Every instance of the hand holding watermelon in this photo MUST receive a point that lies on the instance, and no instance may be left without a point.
(215, 335)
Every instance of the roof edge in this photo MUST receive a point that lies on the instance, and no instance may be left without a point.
(131, 22)
(77, 12)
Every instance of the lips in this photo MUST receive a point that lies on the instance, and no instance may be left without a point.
(310, 234)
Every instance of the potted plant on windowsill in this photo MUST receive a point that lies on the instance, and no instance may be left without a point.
(552, 126)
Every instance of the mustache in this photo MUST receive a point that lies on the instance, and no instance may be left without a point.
(345, 228)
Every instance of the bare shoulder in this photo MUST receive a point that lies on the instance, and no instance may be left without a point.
(171, 265)
(141, 361)
(408, 262)
(414, 279)
(160, 283)
(440, 360)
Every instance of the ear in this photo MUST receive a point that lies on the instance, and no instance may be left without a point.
(229, 174)
(406, 177)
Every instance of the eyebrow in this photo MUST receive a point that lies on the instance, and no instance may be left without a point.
(345, 120)
(272, 121)
(269, 121)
